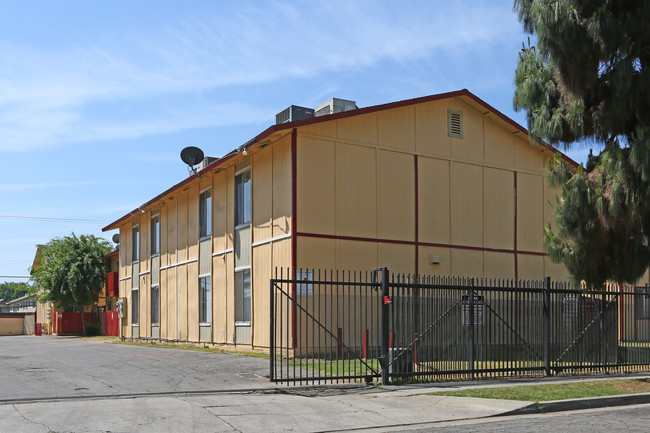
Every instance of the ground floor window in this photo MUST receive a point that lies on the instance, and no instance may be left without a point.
(155, 305)
(642, 303)
(205, 300)
(135, 306)
(243, 296)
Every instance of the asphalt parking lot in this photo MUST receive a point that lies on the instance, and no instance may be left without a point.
(36, 367)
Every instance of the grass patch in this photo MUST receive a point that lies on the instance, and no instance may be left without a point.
(186, 346)
(332, 367)
(559, 391)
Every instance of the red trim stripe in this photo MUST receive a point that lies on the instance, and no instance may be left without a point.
(294, 254)
(515, 239)
(422, 244)
(417, 216)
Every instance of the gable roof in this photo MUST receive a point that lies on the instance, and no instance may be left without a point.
(361, 111)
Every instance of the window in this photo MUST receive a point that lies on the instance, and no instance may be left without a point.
(205, 300)
(642, 303)
(135, 244)
(243, 198)
(243, 296)
(155, 305)
(135, 306)
(205, 214)
(155, 235)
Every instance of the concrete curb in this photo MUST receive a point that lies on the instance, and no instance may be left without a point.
(581, 403)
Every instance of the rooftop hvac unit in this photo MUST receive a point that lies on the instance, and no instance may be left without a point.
(206, 161)
(335, 105)
(293, 113)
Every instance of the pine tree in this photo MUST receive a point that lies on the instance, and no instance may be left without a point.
(587, 79)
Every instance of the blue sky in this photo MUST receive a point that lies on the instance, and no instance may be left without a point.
(97, 98)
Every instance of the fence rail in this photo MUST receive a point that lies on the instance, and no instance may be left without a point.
(329, 326)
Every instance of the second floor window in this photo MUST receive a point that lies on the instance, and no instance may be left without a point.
(135, 244)
(243, 198)
(205, 214)
(155, 235)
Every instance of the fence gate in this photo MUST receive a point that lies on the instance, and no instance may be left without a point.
(324, 327)
(335, 326)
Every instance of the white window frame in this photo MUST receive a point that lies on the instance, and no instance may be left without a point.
(157, 322)
(135, 244)
(135, 306)
(208, 300)
(208, 223)
(241, 270)
(155, 238)
(249, 222)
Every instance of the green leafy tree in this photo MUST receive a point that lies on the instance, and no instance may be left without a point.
(72, 271)
(587, 79)
(12, 290)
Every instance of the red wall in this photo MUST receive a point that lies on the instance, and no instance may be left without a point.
(70, 323)
(110, 323)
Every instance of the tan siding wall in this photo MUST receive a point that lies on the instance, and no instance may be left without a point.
(396, 128)
(271, 191)
(193, 301)
(498, 208)
(466, 204)
(396, 196)
(262, 166)
(282, 187)
(434, 201)
(317, 204)
(356, 179)
(356, 191)
(530, 212)
(431, 129)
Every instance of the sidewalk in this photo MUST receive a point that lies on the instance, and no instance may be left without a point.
(307, 409)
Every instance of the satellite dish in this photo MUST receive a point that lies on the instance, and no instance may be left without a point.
(116, 238)
(192, 155)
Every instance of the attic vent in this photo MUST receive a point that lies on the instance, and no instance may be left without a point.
(455, 123)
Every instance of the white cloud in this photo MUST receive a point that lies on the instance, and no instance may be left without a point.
(59, 185)
(152, 81)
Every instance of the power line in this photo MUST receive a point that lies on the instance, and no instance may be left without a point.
(12, 276)
(33, 218)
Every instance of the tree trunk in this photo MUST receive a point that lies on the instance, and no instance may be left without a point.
(83, 319)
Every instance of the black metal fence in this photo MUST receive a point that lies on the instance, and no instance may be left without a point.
(336, 326)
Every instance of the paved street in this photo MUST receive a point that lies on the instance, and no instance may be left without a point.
(619, 419)
(70, 373)
(54, 366)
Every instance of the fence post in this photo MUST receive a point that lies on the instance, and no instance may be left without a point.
(546, 312)
(385, 378)
(272, 336)
(603, 328)
(471, 328)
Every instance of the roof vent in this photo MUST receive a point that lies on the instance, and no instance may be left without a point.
(455, 123)
(293, 113)
(335, 105)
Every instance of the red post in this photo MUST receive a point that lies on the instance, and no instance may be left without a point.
(339, 336)
(390, 340)
(365, 344)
